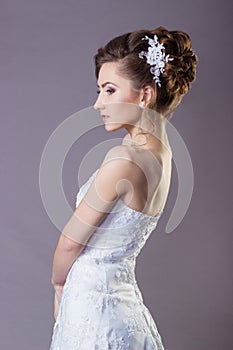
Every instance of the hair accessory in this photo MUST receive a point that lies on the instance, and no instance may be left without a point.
(155, 57)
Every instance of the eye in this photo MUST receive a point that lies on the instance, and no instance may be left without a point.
(98, 92)
(110, 91)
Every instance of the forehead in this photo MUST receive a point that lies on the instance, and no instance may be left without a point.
(108, 72)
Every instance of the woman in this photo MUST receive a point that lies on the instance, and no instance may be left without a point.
(142, 77)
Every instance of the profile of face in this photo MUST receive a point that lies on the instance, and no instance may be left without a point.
(118, 103)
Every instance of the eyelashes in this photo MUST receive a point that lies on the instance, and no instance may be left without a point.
(109, 91)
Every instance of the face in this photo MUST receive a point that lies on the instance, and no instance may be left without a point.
(117, 102)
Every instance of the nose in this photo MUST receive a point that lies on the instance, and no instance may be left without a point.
(98, 104)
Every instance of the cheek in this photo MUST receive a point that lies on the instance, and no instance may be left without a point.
(123, 106)
(124, 112)
(129, 97)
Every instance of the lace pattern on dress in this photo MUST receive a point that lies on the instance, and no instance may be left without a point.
(102, 307)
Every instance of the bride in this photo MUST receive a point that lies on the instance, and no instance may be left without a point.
(142, 77)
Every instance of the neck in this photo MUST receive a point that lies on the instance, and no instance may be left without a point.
(151, 134)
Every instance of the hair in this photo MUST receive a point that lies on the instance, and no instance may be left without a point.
(178, 74)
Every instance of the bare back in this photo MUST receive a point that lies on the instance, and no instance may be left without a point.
(150, 193)
(148, 186)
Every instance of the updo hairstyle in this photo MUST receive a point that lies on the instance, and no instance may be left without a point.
(178, 73)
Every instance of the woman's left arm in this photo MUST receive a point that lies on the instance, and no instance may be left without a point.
(65, 255)
(91, 211)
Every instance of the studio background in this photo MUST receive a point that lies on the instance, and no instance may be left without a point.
(47, 74)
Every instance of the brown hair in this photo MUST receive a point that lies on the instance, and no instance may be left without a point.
(177, 76)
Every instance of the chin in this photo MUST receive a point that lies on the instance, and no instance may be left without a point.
(113, 126)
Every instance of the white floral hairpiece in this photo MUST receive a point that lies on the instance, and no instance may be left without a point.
(155, 57)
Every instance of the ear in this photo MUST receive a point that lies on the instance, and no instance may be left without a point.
(148, 94)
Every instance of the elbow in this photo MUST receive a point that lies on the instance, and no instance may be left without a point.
(69, 245)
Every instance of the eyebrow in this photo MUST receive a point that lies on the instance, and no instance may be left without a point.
(108, 82)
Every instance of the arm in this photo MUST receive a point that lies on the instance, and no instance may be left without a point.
(65, 255)
(91, 211)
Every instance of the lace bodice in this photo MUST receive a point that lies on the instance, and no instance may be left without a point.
(123, 232)
(102, 307)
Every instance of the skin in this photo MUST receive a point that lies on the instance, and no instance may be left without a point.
(118, 172)
(118, 100)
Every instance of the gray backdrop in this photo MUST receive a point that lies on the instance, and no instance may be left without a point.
(47, 73)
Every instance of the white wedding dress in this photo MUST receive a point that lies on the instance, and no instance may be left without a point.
(101, 306)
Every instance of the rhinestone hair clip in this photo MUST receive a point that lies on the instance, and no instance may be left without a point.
(155, 57)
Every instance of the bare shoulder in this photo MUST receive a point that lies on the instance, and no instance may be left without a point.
(121, 167)
(123, 160)
(119, 152)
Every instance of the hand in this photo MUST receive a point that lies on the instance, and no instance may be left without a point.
(58, 292)
(57, 299)
(56, 306)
